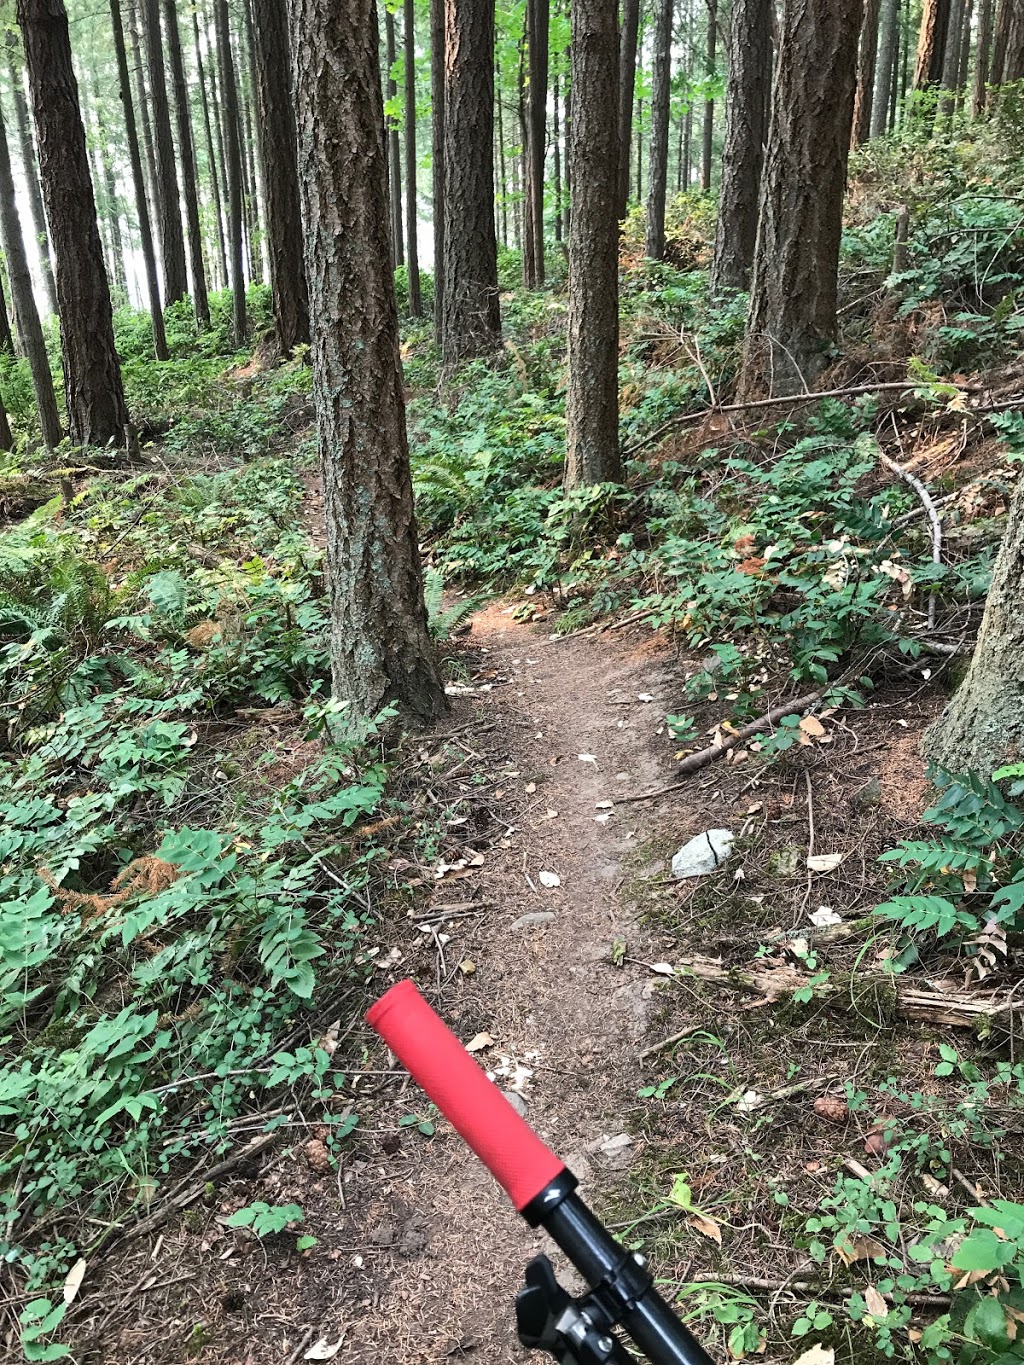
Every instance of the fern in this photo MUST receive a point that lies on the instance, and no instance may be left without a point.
(442, 621)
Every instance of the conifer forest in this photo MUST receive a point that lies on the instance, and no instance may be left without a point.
(525, 496)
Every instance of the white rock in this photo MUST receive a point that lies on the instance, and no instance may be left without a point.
(705, 853)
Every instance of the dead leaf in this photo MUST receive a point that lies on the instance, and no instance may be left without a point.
(970, 881)
(480, 1043)
(812, 726)
(877, 1306)
(550, 815)
(824, 862)
(530, 788)
(859, 1249)
(549, 879)
(706, 1225)
(604, 805)
(467, 966)
(817, 1355)
(663, 968)
(73, 1282)
(323, 1350)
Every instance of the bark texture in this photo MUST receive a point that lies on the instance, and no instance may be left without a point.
(233, 166)
(709, 105)
(661, 93)
(538, 13)
(979, 93)
(1013, 59)
(97, 413)
(280, 173)
(792, 320)
(1004, 20)
(592, 393)
(472, 318)
(394, 152)
(172, 240)
(866, 73)
(211, 160)
(411, 215)
(29, 328)
(189, 174)
(437, 69)
(983, 725)
(381, 649)
(30, 169)
(748, 100)
(931, 43)
(627, 81)
(885, 65)
(139, 185)
(142, 101)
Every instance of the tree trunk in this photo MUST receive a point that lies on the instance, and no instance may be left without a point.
(525, 208)
(748, 100)
(411, 201)
(217, 114)
(982, 727)
(1013, 59)
(627, 81)
(499, 138)
(592, 389)
(472, 317)
(437, 77)
(556, 150)
(30, 331)
(963, 72)
(142, 100)
(258, 206)
(979, 92)
(211, 160)
(280, 173)
(1004, 19)
(661, 96)
(931, 43)
(951, 61)
(639, 121)
(792, 320)
(6, 339)
(888, 51)
(109, 182)
(172, 240)
(233, 160)
(709, 105)
(30, 170)
(139, 185)
(866, 73)
(538, 19)
(189, 175)
(92, 373)
(394, 144)
(380, 645)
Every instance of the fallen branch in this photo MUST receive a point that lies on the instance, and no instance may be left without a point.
(933, 517)
(714, 752)
(671, 1041)
(817, 1288)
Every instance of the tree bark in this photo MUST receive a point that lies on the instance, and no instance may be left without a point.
(661, 95)
(142, 99)
(1013, 58)
(139, 185)
(556, 150)
(233, 161)
(172, 241)
(217, 113)
(748, 100)
(189, 175)
(6, 339)
(108, 179)
(525, 207)
(211, 160)
(30, 170)
(951, 61)
(931, 43)
(982, 727)
(257, 170)
(30, 331)
(538, 20)
(472, 317)
(979, 93)
(592, 388)
(1004, 18)
(866, 73)
(280, 173)
(411, 214)
(394, 143)
(499, 138)
(964, 65)
(380, 645)
(709, 105)
(888, 52)
(792, 320)
(97, 413)
(627, 81)
(437, 78)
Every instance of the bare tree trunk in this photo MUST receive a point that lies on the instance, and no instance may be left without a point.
(709, 105)
(639, 121)
(233, 161)
(29, 327)
(792, 320)
(217, 113)
(627, 81)
(189, 175)
(888, 51)
(931, 43)
(747, 107)
(529, 245)
(108, 179)
(380, 644)
(30, 170)
(97, 413)
(139, 185)
(472, 317)
(1004, 20)
(661, 95)
(499, 137)
(866, 73)
(211, 160)
(437, 79)
(280, 173)
(965, 56)
(538, 22)
(592, 390)
(142, 100)
(1013, 60)
(556, 148)
(979, 95)
(257, 170)
(411, 214)
(6, 339)
(394, 144)
(172, 240)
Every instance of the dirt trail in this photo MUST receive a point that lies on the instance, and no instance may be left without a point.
(548, 993)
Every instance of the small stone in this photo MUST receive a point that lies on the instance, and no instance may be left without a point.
(704, 854)
(516, 1101)
(868, 795)
(534, 917)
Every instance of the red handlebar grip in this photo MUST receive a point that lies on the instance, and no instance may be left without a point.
(475, 1107)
